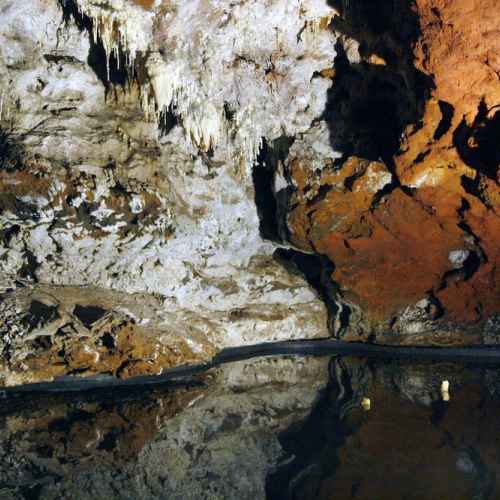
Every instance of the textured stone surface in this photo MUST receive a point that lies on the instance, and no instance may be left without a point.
(138, 181)
(162, 156)
(408, 210)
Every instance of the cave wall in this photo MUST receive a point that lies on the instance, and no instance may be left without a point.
(178, 177)
(126, 181)
(409, 213)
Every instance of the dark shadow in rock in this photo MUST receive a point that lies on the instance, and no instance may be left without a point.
(109, 442)
(29, 267)
(447, 111)
(40, 314)
(370, 105)
(479, 144)
(167, 120)
(88, 315)
(108, 341)
(114, 71)
(12, 151)
(475, 187)
(271, 204)
(6, 234)
(317, 270)
(470, 266)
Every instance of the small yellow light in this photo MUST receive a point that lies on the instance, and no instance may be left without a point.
(366, 404)
(445, 390)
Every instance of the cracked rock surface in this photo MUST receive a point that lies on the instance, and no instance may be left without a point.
(179, 177)
(408, 209)
(125, 181)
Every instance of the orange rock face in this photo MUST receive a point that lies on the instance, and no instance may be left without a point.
(414, 236)
(147, 4)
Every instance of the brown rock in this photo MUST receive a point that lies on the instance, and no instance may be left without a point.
(435, 238)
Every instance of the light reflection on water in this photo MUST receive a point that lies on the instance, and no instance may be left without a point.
(277, 428)
(411, 444)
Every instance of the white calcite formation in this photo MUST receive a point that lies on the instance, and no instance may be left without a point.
(256, 59)
(108, 199)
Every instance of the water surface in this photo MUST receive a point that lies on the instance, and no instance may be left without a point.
(275, 427)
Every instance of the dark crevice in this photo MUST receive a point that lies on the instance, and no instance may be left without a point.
(474, 259)
(40, 314)
(478, 144)
(116, 70)
(434, 308)
(58, 59)
(471, 265)
(229, 113)
(8, 233)
(464, 206)
(387, 190)
(109, 442)
(317, 270)
(271, 205)
(42, 342)
(344, 317)
(447, 111)
(473, 187)
(421, 156)
(323, 190)
(12, 151)
(464, 273)
(77, 371)
(108, 341)
(349, 181)
(168, 120)
(29, 267)
(466, 228)
(88, 315)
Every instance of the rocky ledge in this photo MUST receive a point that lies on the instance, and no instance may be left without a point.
(179, 177)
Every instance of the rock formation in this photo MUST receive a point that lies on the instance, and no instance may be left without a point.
(409, 213)
(177, 177)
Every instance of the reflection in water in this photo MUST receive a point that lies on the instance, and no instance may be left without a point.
(277, 428)
(411, 444)
(216, 439)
